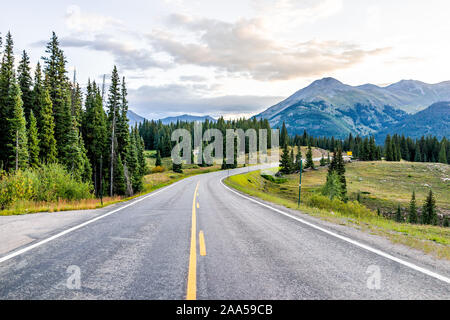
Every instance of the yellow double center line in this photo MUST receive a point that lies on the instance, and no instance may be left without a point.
(192, 275)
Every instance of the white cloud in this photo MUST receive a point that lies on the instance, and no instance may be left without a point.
(79, 21)
(243, 47)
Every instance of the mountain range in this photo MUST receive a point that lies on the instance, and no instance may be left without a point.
(329, 107)
(134, 118)
(187, 118)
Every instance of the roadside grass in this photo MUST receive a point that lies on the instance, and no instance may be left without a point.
(429, 239)
(152, 182)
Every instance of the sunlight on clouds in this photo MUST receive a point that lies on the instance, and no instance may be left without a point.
(80, 21)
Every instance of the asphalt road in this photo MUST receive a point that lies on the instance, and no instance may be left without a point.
(152, 249)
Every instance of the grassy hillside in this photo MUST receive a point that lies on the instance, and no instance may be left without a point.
(382, 184)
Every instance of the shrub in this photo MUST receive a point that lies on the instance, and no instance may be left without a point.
(158, 169)
(353, 208)
(48, 183)
(273, 179)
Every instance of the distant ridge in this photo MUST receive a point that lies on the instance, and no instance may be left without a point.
(329, 107)
(187, 118)
(134, 118)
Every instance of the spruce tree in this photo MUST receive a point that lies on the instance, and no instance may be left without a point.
(18, 143)
(120, 186)
(309, 158)
(285, 163)
(57, 83)
(340, 169)
(7, 81)
(47, 142)
(389, 152)
(114, 100)
(298, 160)
(158, 159)
(443, 153)
(412, 217)
(33, 141)
(95, 132)
(323, 161)
(25, 82)
(399, 216)
(429, 215)
(37, 94)
(123, 128)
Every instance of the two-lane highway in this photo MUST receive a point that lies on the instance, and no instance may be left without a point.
(198, 239)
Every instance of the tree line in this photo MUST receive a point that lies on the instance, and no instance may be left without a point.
(46, 119)
(395, 148)
(157, 136)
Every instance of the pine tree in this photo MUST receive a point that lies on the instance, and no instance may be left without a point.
(309, 158)
(37, 94)
(95, 132)
(114, 101)
(412, 217)
(120, 187)
(18, 132)
(158, 159)
(25, 82)
(33, 141)
(389, 153)
(443, 153)
(123, 129)
(7, 103)
(429, 215)
(47, 142)
(418, 153)
(323, 161)
(340, 169)
(399, 216)
(140, 149)
(298, 160)
(285, 163)
(58, 86)
(446, 222)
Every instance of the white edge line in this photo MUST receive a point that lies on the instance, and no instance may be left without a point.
(56, 236)
(356, 243)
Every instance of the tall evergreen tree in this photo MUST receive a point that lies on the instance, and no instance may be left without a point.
(399, 216)
(18, 142)
(298, 160)
(285, 162)
(309, 158)
(429, 215)
(95, 133)
(412, 217)
(33, 141)
(158, 159)
(7, 103)
(47, 141)
(25, 83)
(389, 152)
(58, 85)
(340, 169)
(37, 94)
(443, 153)
(114, 100)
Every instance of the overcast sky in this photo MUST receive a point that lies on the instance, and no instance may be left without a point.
(236, 57)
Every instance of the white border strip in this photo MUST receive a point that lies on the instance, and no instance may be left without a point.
(356, 243)
(56, 236)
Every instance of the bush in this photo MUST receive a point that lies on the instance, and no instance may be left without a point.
(48, 183)
(158, 169)
(273, 179)
(353, 208)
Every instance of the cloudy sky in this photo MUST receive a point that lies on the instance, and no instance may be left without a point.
(236, 57)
